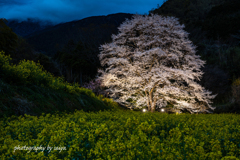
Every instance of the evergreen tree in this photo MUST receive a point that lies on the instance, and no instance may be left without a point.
(8, 39)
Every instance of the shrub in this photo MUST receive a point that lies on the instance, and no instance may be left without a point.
(29, 72)
(236, 90)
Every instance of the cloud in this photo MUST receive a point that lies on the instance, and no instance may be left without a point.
(68, 10)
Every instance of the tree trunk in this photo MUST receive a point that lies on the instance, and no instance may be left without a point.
(68, 74)
(81, 78)
(75, 78)
(152, 104)
(153, 108)
(148, 103)
(71, 74)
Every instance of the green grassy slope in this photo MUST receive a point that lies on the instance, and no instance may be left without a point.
(26, 88)
(35, 100)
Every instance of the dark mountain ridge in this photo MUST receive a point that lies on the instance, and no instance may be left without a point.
(27, 27)
(94, 30)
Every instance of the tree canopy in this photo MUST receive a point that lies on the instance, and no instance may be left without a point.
(8, 39)
(151, 62)
(79, 59)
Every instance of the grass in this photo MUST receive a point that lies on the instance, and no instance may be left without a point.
(34, 100)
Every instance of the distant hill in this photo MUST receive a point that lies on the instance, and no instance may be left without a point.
(92, 30)
(204, 17)
(24, 28)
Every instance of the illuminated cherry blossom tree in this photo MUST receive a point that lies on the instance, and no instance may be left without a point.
(152, 63)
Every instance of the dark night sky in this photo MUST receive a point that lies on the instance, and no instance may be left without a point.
(59, 11)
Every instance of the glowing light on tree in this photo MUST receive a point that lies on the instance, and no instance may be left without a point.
(151, 62)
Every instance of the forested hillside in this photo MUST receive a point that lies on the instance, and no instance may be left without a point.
(27, 27)
(92, 30)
